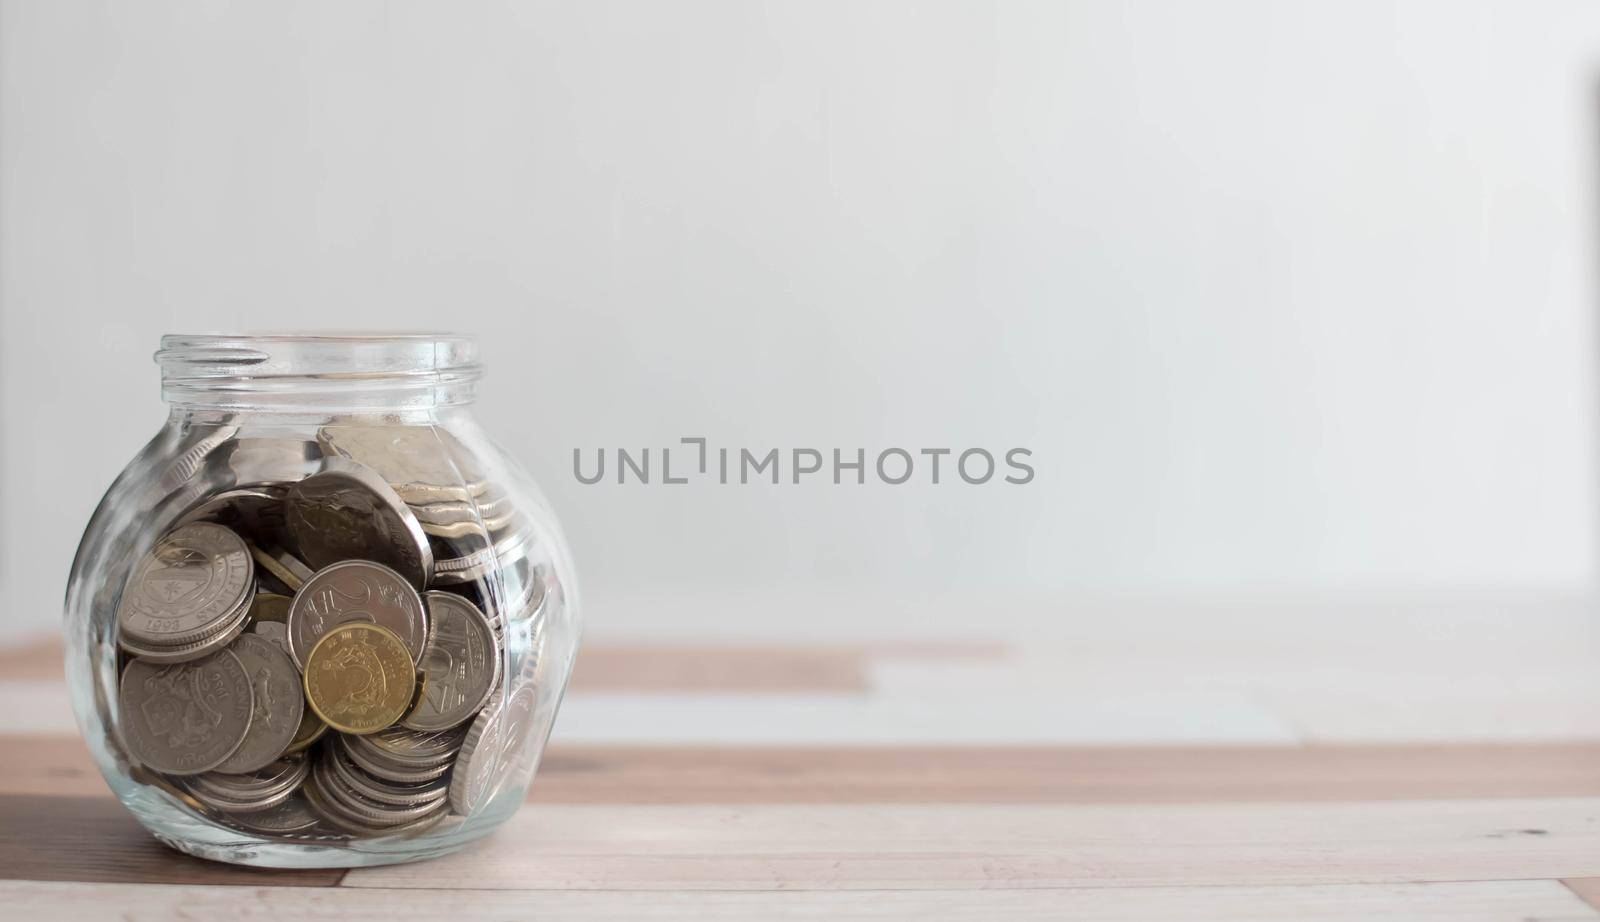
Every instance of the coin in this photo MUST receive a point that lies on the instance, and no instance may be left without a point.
(188, 587)
(256, 790)
(256, 512)
(359, 678)
(355, 591)
(416, 746)
(296, 568)
(392, 793)
(271, 461)
(189, 462)
(348, 513)
(388, 768)
(278, 705)
(269, 607)
(310, 730)
(278, 633)
(350, 808)
(282, 566)
(424, 464)
(188, 718)
(529, 585)
(486, 509)
(294, 814)
(479, 563)
(182, 653)
(493, 745)
(460, 662)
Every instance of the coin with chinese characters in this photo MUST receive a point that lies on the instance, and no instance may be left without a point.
(359, 678)
(356, 591)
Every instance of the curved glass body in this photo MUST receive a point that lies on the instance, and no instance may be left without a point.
(321, 619)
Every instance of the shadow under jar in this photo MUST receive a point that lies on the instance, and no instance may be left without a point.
(321, 620)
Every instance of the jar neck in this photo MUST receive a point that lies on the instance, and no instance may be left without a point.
(319, 374)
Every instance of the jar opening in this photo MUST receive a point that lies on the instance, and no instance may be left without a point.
(319, 370)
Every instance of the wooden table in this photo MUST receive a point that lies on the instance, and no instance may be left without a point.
(1434, 764)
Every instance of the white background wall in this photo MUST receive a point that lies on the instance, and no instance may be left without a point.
(1279, 294)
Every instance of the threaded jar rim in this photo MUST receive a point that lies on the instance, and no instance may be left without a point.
(351, 370)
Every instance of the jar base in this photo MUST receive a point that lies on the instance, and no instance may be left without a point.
(306, 856)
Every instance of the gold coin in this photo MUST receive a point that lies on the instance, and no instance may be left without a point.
(310, 730)
(360, 678)
(270, 606)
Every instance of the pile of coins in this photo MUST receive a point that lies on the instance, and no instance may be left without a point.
(308, 653)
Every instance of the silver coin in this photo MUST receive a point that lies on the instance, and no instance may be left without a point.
(529, 584)
(275, 631)
(291, 564)
(424, 464)
(250, 793)
(460, 664)
(256, 512)
(230, 805)
(417, 746)
(360, 807)
(294, 814)
(183, 653)
(486, 509)
(192, 459)
(356, 590)
(331, 810)
(388, 769)
(279, 703)
(188, 587)
(348, 513)
(394, 794)
(493, 743)
(284, 774)
(271, 460)
(188, 718)
(280, 566)
(480, 563)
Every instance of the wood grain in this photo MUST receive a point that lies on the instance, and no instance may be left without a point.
(1488, 901)
(1027, 774)
(95, 839)
(34, 658)
(1587, 889)
(615, 665)
(53, 765)
(898, 847)
(694, 668)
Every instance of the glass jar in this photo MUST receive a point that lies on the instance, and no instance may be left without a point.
(321, 620)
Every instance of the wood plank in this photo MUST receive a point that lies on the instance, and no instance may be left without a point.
(1027, 774)
(55, 765)
(899, 847)
(95, 839)
(666, 665)
(1485, 901)
(1587, 889)
(32, 658)
(691, 668)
